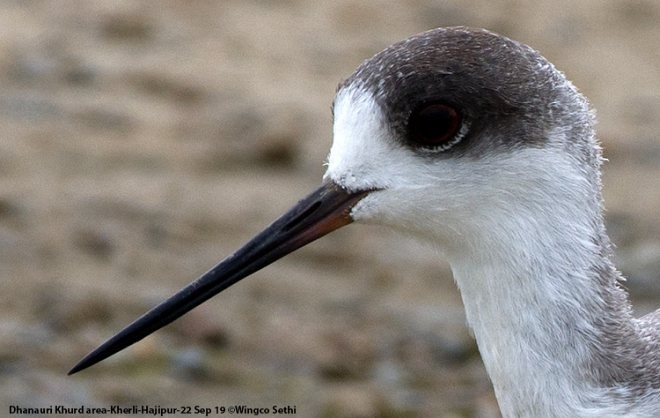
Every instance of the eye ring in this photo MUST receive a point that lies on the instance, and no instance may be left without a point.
(436, 126)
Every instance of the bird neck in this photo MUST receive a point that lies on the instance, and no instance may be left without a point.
(553, 326)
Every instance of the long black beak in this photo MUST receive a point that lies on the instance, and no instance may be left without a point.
(326, 209)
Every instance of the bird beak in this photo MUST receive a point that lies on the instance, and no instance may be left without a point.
(324, 210)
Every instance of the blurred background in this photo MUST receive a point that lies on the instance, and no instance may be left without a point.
(143, 141)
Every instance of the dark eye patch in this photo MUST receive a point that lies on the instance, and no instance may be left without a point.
(435, 126)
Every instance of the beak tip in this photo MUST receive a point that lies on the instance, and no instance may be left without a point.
(81, 365)
(75, 369)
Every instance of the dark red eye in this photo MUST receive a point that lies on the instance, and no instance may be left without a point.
(435, 125)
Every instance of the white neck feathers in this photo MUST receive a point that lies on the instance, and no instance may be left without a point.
(542, 298)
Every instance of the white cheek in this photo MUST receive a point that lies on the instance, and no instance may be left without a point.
(364, 156)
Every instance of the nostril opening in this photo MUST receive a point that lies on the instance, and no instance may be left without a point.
(303, 215)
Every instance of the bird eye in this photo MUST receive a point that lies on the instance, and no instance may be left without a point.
(435, 126)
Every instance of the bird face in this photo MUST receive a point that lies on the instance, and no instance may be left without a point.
(425, 179)
(457, 130)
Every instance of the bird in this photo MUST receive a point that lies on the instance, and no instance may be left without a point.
(478, 145)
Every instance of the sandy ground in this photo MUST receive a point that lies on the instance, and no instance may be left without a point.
(141, 142)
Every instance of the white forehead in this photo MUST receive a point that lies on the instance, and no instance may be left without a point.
(364, 155)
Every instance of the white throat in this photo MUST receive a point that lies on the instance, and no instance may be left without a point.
(553, 326)
(530, 300)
